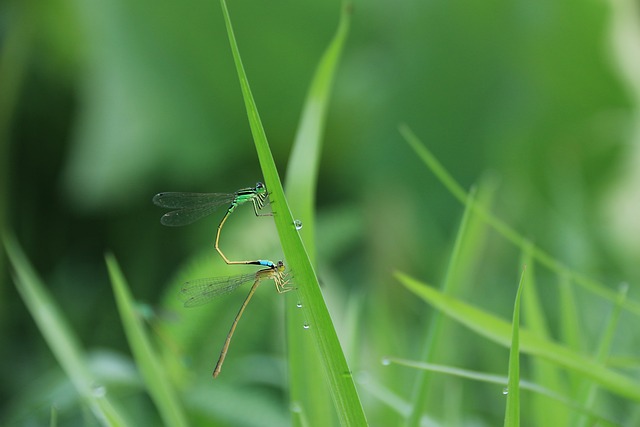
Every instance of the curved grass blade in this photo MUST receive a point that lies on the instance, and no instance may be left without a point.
(60, 338)
(542, 372)
(434, 332)
(501, 380)
(340, 378)
(498, 330)
(305, 372)
(302, 171)
(158, 385)
(589, 391)
(505, 230)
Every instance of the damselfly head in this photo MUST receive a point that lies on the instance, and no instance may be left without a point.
(280, 267)
(260, 188)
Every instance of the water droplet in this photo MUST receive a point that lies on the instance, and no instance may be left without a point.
(299, 305)
(99, 390)
(298, 224)
(306, 326)
(385, 361)
(296, 407)
(505, 390)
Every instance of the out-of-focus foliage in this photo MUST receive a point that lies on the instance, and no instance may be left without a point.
(105, 103)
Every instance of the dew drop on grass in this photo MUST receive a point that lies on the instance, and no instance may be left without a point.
(299, 305)
(505, 390)
(99, 390)
(385, 361)
(298, 224)
(306, 326)
(296, 407)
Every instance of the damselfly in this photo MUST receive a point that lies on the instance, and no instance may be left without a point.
(191, 207)
(201, 291)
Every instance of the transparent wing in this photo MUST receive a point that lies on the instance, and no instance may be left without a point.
(201, 291)
(191, 206)
(191, 200)
(186, 216)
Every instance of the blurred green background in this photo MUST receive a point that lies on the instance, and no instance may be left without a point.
(105, 103)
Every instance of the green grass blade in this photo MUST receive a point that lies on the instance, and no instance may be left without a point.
(588, 394)
(505, 230)
(570, 330)
(53, 422)
(307, 390)
(501, 380)
(534, 313)
(498, 330)
(340, 378)
(379, 391)
(158, 385)
(512, 412)
(60, 338)
(543, 372)
(420, 398)
(302, 171)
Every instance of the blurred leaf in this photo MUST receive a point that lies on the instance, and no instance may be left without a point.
(158, 385)
(302, 173)
(498, 330)
(60, 337)
(570, 331)
(505, 230)
(547, 413)
(589, 391)
(305, 371)
(391, 399)
(14, 54)
(497, 379)
(434, 333)
(142, 92)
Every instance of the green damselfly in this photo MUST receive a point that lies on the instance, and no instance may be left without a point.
(191, 207)
(201, 291)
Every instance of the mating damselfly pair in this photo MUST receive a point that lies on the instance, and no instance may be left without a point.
(190, 207)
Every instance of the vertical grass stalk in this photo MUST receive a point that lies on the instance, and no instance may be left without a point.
(337, 372)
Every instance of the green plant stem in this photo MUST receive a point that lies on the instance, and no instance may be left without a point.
(512, 411)
(340, 378)
(307, 390)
